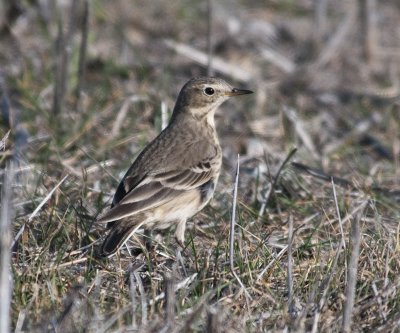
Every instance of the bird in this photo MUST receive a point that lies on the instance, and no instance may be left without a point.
(175, 175)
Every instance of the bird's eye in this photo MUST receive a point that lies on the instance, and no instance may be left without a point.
(209, 91)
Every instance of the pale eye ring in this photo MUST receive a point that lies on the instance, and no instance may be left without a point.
(209, 91)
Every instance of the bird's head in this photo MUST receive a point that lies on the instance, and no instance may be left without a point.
(202, 95)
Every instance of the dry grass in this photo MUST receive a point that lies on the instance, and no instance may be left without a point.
(317, 248)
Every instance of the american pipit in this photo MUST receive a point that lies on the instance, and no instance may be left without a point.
(175, 175)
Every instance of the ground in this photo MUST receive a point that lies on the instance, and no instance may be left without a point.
(86, 84)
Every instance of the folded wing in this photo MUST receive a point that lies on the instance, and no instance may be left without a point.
(157, 189)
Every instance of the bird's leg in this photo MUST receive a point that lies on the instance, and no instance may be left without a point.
(180, 233)
(180, 239)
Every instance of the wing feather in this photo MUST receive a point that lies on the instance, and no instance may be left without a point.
(125, 209)
(146, 188)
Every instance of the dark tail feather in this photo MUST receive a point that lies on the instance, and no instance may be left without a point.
(117, 236)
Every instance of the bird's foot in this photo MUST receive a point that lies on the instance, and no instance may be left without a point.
(180, 260)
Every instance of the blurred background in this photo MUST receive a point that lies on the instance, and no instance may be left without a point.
(85, 84)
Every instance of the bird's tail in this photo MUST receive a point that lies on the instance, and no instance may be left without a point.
(117, 236)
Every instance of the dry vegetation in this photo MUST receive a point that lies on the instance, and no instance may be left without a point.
(316, 246)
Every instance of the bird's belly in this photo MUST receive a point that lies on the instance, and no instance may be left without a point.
(178, 209)
(206, 192)
(181, 208)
